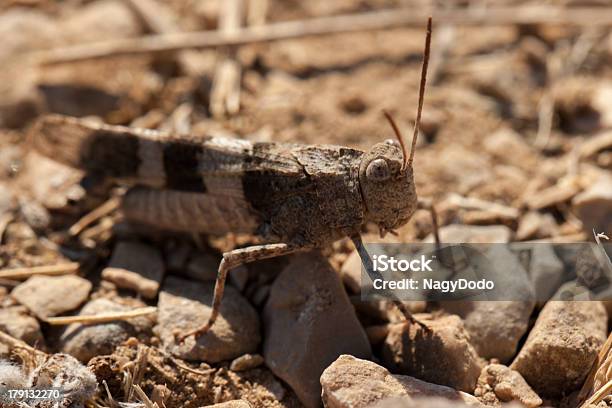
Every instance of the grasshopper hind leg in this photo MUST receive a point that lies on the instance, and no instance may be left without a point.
(230, 261)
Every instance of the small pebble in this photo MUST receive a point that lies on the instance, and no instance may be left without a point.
(350, 382)
(495, 327)
(593, 206)
(443, 355)
(184, 305)
(246, 362)
(85, 341)
(15, 322)
(545, 269)
(456, 233)
(49, 296)
(136, 266)
(499, 384)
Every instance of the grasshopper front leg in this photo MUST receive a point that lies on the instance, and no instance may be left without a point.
(366, 261)
(230, 261)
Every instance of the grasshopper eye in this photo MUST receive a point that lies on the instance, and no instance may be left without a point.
(378, 170)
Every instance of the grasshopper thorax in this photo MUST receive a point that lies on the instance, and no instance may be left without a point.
(387, 186)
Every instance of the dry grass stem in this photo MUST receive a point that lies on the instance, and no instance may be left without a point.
(471, 203)
(49, 270)
(377, 20)
(101, 318)
(100, 212)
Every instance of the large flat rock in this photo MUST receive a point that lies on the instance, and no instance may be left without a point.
(309, 323)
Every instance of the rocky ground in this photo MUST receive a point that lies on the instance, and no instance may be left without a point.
(515, 146)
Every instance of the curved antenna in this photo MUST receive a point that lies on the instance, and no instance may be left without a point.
(417, 123)
(398, 135)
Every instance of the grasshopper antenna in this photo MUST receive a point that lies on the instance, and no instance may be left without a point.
(417, 123)
(398, 135)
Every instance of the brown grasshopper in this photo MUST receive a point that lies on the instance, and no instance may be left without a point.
(295, 197)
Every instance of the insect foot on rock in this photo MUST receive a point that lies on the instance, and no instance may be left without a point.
(216, 185)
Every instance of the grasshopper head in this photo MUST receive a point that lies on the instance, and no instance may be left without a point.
(387, 186)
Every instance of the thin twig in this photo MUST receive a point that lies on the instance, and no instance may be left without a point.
(471, 203)
(546, 114)
(101, 318)
(111, 401)
(191, 370)
(101, 211)
(49, 270)
(377, 20)
(144, 398)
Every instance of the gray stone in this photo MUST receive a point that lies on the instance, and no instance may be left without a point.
(184, 305)
(562, 346)
(309, 322)
(534, 224)
(49, 296)
(85, 341)
(545, 269)
(495, 327)
(443, 355)
(350, 382)
(497, 319)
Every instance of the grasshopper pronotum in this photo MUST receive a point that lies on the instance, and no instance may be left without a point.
(295, 197)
